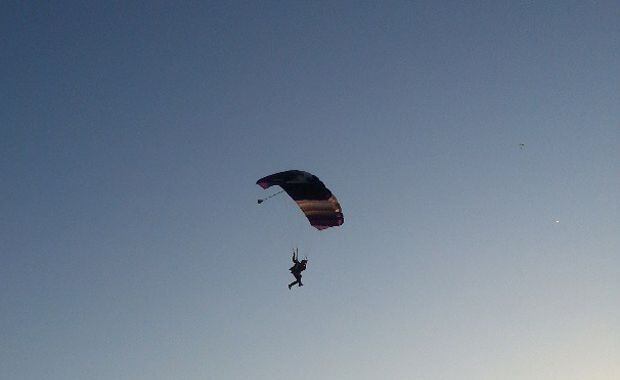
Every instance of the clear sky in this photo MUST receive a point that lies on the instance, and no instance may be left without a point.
(132, 134)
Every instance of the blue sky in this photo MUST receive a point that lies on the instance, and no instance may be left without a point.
(131, 136)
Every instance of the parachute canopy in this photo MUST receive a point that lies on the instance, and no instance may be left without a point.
(315, 200)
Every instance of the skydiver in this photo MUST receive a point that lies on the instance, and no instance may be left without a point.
(297, 268)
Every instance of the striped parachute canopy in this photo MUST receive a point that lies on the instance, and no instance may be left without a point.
(315, 200)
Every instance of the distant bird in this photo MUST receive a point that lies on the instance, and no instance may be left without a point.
(521, 146)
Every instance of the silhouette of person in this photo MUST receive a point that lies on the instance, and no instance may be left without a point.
(297, 268)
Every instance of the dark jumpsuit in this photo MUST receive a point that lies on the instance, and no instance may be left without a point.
(296, 271)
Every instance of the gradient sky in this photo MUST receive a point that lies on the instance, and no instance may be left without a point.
(132, 134)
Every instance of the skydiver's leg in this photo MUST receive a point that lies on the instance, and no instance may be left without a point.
(297, 280)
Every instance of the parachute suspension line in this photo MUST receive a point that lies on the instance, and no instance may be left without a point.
(271, 196)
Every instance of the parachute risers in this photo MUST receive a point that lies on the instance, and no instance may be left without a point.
(269, 197)
(311, 195)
